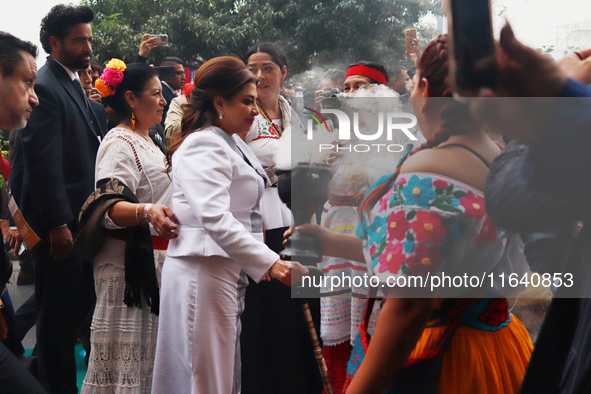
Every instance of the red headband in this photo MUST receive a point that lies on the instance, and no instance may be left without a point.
(368, 72)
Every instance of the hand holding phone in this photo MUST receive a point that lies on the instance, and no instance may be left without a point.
(162, 39)
(410, 35)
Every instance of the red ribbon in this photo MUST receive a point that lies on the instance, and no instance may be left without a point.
(158, 243)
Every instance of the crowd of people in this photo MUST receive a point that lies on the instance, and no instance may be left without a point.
(160, 224)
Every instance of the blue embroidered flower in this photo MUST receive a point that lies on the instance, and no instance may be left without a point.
(409, 246)
(418, 191)
(377, 230)
(455, 202)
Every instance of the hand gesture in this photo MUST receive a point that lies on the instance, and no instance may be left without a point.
(287, 272)
(522, 72)
(577, 65)
(416, 53)
(61, 242)
(159, 216)
(147, 45)
(14, 240)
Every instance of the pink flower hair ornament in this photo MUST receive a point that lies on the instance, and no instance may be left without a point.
(111, 77)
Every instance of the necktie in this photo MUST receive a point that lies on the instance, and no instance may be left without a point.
(80, 90)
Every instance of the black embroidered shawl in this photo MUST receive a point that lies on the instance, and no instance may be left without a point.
(140, 270)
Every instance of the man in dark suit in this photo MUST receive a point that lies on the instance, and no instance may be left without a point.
(169, 87)
(59, 152)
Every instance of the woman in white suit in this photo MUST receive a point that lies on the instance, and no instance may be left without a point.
(217, 183)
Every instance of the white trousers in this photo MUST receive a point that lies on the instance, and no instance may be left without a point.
(197, 350)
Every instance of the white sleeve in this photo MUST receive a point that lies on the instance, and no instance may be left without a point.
(117, 158)
(204, 172)
(174, 116)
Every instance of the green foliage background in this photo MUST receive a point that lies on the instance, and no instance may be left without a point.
(312, 33)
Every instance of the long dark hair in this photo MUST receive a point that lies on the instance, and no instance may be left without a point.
(222, 76)
(434, 66)
(135, 79)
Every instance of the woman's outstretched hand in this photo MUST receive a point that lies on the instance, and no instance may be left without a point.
(287, 272)
(159, 216)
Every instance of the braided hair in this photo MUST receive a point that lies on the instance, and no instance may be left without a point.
(433, 66)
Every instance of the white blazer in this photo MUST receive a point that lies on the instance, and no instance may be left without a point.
(216, 196)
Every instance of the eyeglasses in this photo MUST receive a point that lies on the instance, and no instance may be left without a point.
(179, 73)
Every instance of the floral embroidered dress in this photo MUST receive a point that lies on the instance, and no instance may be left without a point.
(431, 225)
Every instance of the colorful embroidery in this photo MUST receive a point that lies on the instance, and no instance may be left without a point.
(391, 258)
(474, 205)
(265, 130)
(397, 226)
(416, 225)
(425, 259)
(418, 191)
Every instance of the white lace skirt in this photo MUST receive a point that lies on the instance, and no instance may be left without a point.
(123, 339)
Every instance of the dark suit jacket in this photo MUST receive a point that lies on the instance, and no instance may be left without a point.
(168, 95)
(101, 115)
(59, 148)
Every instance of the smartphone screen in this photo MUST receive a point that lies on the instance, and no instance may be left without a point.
(409, 35)
(473, 46)
(162, 38)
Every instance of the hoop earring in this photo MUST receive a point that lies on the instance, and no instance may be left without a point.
(221, 114)
(132, 120)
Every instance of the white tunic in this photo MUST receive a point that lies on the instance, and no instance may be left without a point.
(123, 338)
(264, 142)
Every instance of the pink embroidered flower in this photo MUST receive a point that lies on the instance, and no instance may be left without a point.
(488, 232)
(372, 250)
(440, 183)
(428, 227)
(397, 226)
(425, 259)
(474, 205)
(401, 181)
(391, 258)
(385, 199)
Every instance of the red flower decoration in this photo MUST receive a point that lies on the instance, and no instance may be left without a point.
(372, 250)
(391, 258)
(428, 227)
(400, 181)
(488, 232)
(397, 226)
(440, 183)
(496, 313)
(425, 259)
(474, 205)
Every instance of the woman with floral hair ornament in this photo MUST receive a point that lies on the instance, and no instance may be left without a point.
(426, 219)
(126, 225)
